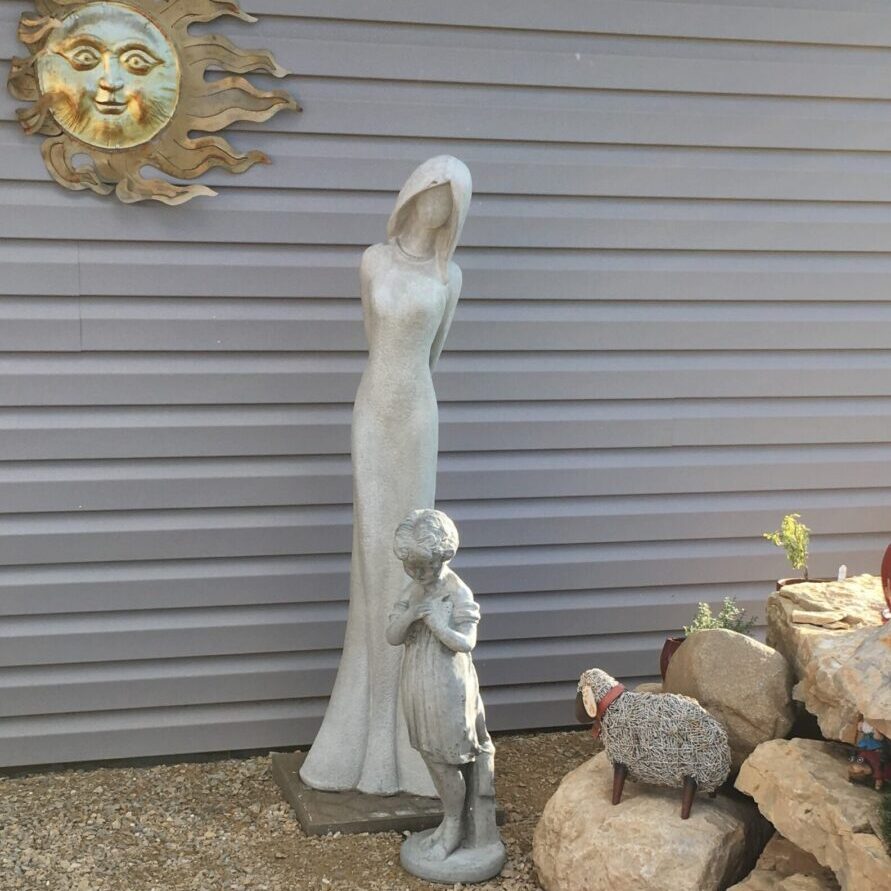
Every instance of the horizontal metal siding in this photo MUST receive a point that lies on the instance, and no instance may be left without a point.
(152, 484)
(559, 222)
(674, 328)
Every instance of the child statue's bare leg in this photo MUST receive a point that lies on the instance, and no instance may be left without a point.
(452, 789)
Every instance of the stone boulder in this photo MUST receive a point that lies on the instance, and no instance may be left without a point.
(771, 881)
(746, 685)
(768, 880)
(802, 787)
(649, 687)
(831, 633)
(585, 843)
(849, 675)
(800, 615)
(785, 867)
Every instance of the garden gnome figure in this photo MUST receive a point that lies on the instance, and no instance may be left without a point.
(410, 287)
(436, 623)
(870, 760)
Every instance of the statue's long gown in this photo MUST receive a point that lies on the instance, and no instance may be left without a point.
(394, 449)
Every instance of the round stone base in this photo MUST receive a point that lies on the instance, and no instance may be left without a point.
(464, 865)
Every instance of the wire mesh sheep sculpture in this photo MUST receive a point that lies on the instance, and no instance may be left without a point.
(659, 738)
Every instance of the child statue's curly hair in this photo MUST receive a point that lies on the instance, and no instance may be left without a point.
(428, 533)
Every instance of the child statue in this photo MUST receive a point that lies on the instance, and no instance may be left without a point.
(439, 690)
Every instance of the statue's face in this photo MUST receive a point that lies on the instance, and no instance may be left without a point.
(423, 570)
(113, 76)
(434, 206)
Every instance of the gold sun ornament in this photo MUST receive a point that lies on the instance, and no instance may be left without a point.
(122, 84)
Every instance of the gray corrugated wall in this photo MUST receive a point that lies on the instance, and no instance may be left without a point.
(675, 327)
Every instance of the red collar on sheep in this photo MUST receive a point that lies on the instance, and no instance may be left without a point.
(613, 694)
(609, 699)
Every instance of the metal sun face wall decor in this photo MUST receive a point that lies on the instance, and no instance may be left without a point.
(123, 84)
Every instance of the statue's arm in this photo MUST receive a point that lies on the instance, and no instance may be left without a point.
(459, 637)
(455, 281)
(400, 621)
(459, 640)
(365, 289)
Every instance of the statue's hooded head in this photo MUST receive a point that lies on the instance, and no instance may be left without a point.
(443, 170)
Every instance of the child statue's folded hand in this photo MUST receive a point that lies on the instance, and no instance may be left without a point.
(436, 619)
(422, 610)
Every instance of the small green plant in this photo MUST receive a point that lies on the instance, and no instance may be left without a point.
(731, 616)
(793, 537)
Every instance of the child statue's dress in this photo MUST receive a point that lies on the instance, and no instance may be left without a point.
(439, 687)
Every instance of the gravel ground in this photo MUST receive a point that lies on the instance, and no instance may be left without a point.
(222, 826)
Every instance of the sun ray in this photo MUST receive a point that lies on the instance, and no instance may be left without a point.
(163, 97)
(23, 80)
(232, 99)
(56, 8)
(33, 31)
(213, 52)
(134, 188)
(207, 152)
(57, 155)
(185, 12)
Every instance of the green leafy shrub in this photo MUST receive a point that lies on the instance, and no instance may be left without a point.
(731, 616)
(793, 537)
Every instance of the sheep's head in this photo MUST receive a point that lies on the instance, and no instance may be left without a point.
(594, 684)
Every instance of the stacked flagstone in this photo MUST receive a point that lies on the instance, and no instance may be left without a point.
(785, 867)
(831, 634)
(802, 787)
(827, 639)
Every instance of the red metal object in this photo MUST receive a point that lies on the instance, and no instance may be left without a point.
(886, 581)
(609, 699)
(602, 706)
(669, 648)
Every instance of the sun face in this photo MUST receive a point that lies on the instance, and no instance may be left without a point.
(112, 74)
(123, 83)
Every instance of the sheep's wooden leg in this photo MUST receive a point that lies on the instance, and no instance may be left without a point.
(689, 793)
(620, 771)
(713, 793)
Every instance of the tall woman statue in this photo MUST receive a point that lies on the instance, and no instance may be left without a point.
(410, 287)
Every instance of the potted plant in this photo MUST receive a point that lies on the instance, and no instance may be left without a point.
(794, 538)
(731, 616)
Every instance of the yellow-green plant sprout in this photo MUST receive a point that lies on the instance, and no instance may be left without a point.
(793, 537)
